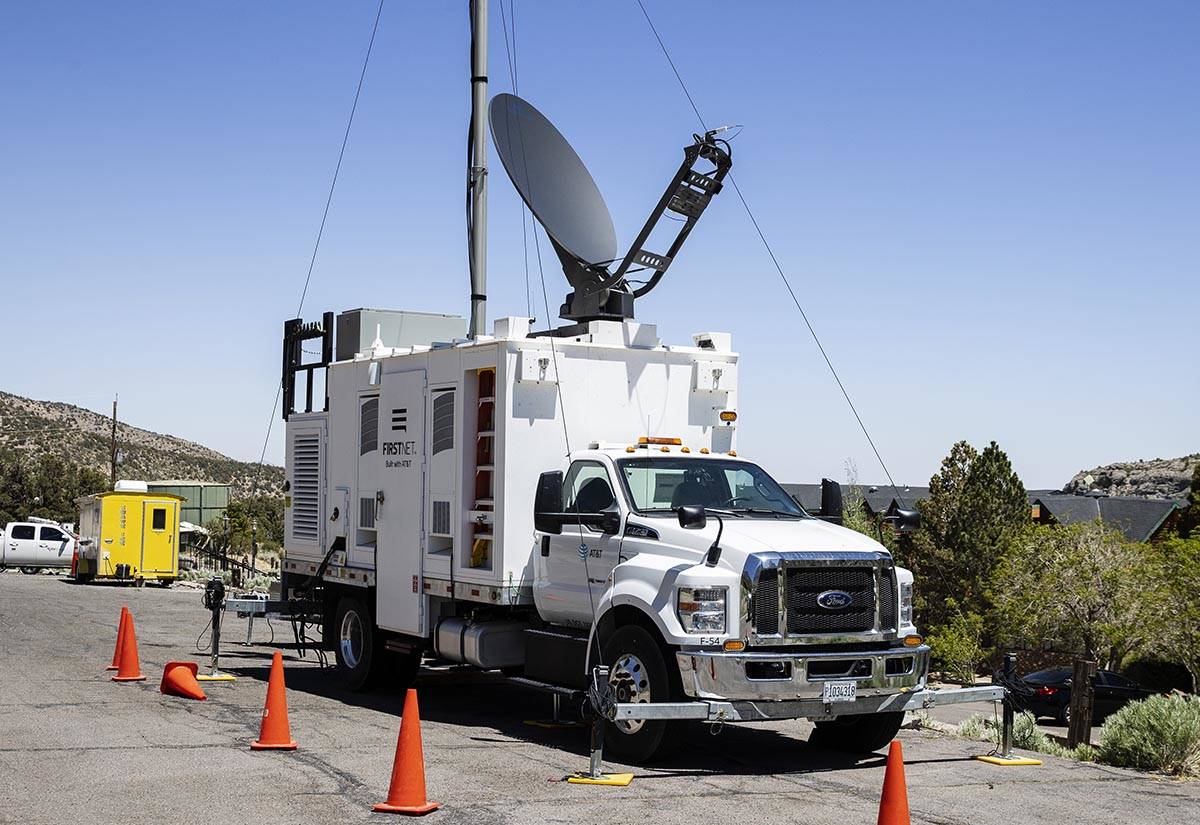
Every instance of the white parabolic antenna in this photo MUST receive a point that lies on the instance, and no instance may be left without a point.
(562, 195)
(552, 180)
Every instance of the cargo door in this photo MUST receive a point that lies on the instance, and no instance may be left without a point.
(158, 537)
(362, 549)
(400, 602)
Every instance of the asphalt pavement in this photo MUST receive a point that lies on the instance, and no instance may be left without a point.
(76, 747)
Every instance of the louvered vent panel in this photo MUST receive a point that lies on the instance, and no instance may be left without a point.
(441, 518)
(369, 429)
(366, 513)
(306, 487)
(443, 422)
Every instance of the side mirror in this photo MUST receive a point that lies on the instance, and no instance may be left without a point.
(831, 501)
(692, 517)
(547, 504)
(907, 521)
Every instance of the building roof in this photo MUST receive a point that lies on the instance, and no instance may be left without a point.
(1137, 518)
(186, 483)
(878, 498)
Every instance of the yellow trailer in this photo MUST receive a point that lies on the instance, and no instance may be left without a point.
(129, 534)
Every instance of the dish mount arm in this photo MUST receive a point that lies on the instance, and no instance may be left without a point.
(600, 294)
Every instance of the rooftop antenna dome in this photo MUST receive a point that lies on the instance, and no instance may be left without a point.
(560, 192)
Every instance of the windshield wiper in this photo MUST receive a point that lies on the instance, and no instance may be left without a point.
(764, 512)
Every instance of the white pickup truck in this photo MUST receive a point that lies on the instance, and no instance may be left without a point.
(33, 546)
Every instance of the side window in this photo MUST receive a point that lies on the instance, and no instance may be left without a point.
(1117, 681)
(52, 534)
(22, 531)
(158, 518)
(586, 488)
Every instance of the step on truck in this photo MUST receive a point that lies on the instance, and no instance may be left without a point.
(503, 502)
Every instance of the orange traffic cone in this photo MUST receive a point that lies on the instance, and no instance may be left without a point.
(406, 794)
(116, 662)
(179, 679)
(893, 804)
(274, 734)
(128, 669)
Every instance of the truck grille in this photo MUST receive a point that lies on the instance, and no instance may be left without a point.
(804, 615)
(784, 599)
(766, 603)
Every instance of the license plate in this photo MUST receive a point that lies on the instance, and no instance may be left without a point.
(839, 691)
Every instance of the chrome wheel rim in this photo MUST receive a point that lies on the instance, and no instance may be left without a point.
(351, 639)
(631, 684)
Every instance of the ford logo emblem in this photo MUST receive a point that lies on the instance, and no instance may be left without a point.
(834, 599)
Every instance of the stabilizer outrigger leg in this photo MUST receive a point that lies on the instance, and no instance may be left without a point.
(214, 600)
(556, 720)
(602, 704)
(1005, 757)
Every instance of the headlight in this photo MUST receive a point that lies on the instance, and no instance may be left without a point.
(906, 603)
(702, 609)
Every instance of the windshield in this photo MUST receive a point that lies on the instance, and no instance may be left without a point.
(660, 485)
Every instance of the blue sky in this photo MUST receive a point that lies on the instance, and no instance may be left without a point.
(990, 210)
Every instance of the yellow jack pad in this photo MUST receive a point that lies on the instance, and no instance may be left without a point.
(1012, 761)
(216, 677)
(619, 779)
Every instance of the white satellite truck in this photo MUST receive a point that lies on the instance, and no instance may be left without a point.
(439, 503)
(568, 506)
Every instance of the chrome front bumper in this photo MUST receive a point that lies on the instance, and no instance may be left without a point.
(779, 676)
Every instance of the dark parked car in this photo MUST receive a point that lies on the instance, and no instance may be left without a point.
(1052, 693)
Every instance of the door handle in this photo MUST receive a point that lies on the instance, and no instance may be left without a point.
(545, 546)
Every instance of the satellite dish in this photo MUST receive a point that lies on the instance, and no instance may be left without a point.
(560, 192)
(553, 181)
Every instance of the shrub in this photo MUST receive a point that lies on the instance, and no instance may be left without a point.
(1161, 733)
(972, 727)
(1026, 735)
(957, 645)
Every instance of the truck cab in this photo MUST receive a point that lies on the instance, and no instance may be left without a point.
(735, 592)
(33, 546)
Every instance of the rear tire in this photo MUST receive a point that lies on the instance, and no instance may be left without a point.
(860, 733)
(638, 672)
(354, 644)
(31, 571)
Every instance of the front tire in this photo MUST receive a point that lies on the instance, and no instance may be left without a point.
(31, 571)
(860, 733)
(638, 673)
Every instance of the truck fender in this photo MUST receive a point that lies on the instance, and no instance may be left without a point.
(628, 590)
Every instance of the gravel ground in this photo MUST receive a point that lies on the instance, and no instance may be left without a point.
(76, 747)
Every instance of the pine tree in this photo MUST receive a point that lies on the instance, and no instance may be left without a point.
(976, 508)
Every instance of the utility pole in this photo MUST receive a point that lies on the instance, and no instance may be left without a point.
(254, 545)
(477, 167)
(113, 447)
